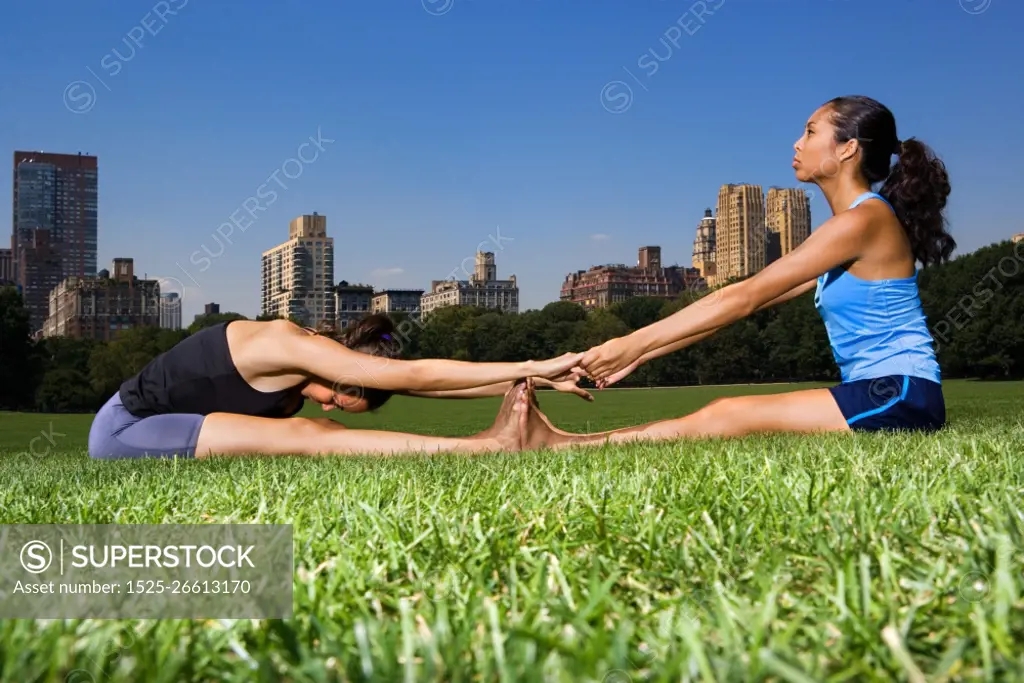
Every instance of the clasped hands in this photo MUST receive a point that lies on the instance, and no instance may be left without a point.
(605, 364)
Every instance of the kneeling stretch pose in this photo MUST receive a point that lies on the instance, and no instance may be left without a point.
(862, 263)
(235, 388)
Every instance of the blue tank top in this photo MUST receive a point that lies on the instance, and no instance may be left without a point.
(876, 327)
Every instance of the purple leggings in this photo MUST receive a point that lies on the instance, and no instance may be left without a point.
(116, 433)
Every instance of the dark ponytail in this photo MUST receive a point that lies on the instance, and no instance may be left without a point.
(917, 188)
(917, 185)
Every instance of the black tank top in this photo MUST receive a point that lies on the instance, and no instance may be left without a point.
(198, 376)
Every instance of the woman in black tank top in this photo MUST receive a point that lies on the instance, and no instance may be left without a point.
(235, 388)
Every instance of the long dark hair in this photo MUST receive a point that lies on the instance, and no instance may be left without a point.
(374, 335)
(917, 185)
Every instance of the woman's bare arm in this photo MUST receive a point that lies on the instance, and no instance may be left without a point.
(500, 389)
(688, 341)
(840, 240)
(290, 349)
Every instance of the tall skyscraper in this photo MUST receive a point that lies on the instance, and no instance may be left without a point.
(739, 232)
(788, 213)
(170, 311)
(6, 266)
(298, 275)
(55, 224)
(704, 248)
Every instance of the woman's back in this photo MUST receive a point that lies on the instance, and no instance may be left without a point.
(199, 376)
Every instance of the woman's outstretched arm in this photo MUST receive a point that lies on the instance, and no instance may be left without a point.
(689, 341)
(837, 241)
(289, 349)
(568, 386)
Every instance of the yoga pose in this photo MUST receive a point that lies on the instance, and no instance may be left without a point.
(862, 263)
(235, 388)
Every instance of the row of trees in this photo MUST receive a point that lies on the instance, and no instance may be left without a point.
(974, 305)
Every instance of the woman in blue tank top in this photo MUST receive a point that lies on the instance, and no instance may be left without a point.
(862, 266)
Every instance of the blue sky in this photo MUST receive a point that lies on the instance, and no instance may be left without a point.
(450, 120)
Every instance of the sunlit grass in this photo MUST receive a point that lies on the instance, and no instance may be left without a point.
(862, 557)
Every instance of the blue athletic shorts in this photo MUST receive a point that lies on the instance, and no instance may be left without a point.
(896, 402)
(116, 433)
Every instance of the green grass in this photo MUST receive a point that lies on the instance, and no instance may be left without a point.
(864, 557)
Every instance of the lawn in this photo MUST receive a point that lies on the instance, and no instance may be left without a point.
(854, 558)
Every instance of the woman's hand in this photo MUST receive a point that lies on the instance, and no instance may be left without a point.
(601, 362)
(556, 369)
(615, 377)
(567, 386)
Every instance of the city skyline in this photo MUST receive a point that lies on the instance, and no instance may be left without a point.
(556, 149)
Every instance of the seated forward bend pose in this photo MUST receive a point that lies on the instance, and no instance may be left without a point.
(862, 262)
(234, 388)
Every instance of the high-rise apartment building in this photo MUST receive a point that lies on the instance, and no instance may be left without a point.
(170, 311)
(100, 306)
(704, 248)
(55, 194)
(398, 301)
(483, 289)
(602, 286)
(298, 275)
(788, 213)
(6, 266)
(739, 232)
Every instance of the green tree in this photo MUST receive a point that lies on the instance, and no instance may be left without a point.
(65, 385)
(444, 334)
(639, 311)
(600, 326)
(731, 355)
(557, 323)
(213, 319)
(487, 337)
(797, 343)
(18, 369)
(408, 333)
(112, 363)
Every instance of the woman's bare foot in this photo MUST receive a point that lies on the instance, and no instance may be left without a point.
(535, 403)
(504, 433)
(536, 429)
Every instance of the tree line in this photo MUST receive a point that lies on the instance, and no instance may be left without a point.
(974, 305)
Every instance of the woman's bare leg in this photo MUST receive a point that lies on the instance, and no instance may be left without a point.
(808, 411)
(229, 434)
